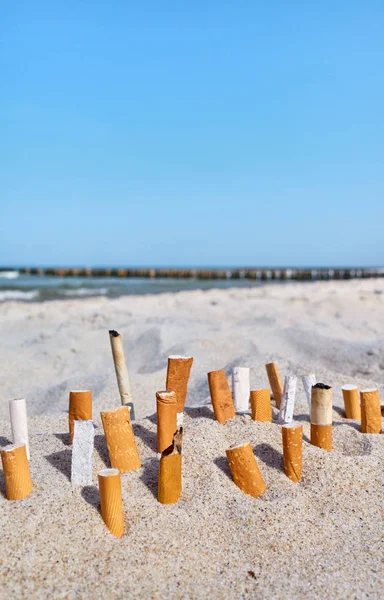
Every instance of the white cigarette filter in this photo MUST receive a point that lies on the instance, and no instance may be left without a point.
(288, 400)
(241, 388)
(82, 451)
(371, 421)
(120, 367)
(19, 422)
(308, 382)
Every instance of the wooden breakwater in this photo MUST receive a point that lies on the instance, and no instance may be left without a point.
(261, 274)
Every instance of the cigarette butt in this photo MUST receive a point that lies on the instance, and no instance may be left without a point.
(351, 402)
(82, 450)
(221, 396)
(240, 388)
(261, 405)
(166, 407)
(244, 469)
(275, 382)
(169, 487)
(179, 368)
(120, 367)
(321, 404)
(18, 483)
(308, 382)
(120, 440)
(19, 422)
(80, 408)
(287, 403)
(321, 436)
(111, 503)
(292, 434)
(370, 411)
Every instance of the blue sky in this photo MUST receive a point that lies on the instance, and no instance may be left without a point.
(192, 133)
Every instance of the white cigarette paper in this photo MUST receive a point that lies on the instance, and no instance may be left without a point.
(241, 388)
(82, 450)
(19, 422)
(120, 367)
(308, 381)
(179, 420)
(288, 400)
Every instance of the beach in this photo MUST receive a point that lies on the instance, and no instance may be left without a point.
(322, 537)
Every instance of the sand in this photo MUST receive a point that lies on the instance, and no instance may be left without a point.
(322, 537)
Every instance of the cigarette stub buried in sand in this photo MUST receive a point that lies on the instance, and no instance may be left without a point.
(18, 483)
(80, 408)
(244, 469)
(241, 388)
(179, 368)
(19, 422)
(166, 408)
(120, 367)
(221, 396)
(169, 487)
(261, 405)
(292, 434)
(275, 382)
(370, 411)
(82, 451)
(111, 505)
(308, 382)
(287, 404)
(351, 402)
(321, 416)
(120, 440)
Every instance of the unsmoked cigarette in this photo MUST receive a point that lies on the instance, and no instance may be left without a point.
(179, 368)
(120, 440)
(82, 451)
(287, 404)
(308, 382)
(19, 422)
(170, 482)
(261, 405)
(166, 407)
(370, 411)
(244, 469)
(18, 483)
(241, 388)
(111, 504)
(80, 408)
(351, 402)
(321, 416)
(275, 382)
(120, 367)
(221, 396)
(292, 434)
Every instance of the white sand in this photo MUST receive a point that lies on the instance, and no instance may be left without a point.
(319, 538)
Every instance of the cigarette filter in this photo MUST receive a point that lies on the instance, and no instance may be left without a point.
(351, 402)
(19, 422)
(166, 406)
(240, 388)
(275, 382)
(308, 382)
(321, 436)
(244, 469)
(221, 396)
(179, 368)
(82, 451)
(370, 411)
(18, 483)
(169, 487)
(120, 367)
(293, 450)
(120, 440)
(287, 403)
(321, 416)
(261, 405)
(111, 503)
(80, 408)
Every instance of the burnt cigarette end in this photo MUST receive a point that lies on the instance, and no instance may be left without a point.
(114, 333)
(321, 386)
(175, 447)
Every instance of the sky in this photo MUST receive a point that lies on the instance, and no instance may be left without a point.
(192, 133)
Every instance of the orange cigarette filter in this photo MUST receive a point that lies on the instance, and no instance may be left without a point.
(169, 487)
(120, 440)
(80, 409)
(351, 402)
(275, 382)
(18, 483)
(166, 407)
(321, 436)
(370, 411)
(261, 405)
(179, 368)
(244, 469)
(221, 396)
(111, 504)
(292, 434)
